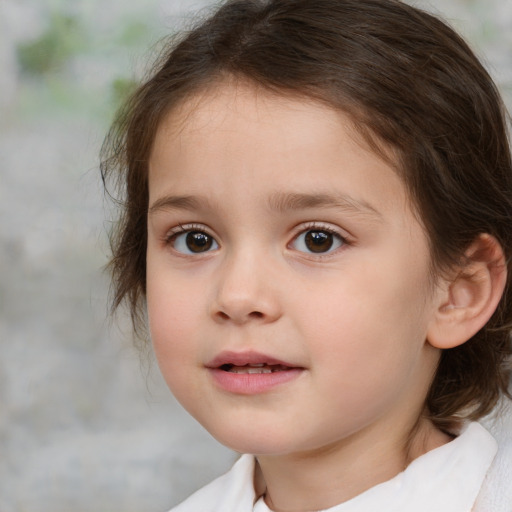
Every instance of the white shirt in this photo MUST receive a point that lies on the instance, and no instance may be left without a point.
(446, 479)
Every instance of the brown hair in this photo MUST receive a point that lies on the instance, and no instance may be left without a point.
(408, 82)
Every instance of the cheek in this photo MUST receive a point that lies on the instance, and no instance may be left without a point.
(172, 299)
(169, 314)
(172, 326)
(373, 320)
(172, 317)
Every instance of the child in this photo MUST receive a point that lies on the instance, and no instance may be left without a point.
(317, 208)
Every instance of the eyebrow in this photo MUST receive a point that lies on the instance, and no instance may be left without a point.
(178, 203)
(280, 202)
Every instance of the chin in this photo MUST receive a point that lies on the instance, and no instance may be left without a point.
(260, 441)
(249, 439)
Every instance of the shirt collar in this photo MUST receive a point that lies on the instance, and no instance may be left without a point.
(446, 479)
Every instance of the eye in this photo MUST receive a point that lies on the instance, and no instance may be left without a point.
(317, 241)
(192, 242)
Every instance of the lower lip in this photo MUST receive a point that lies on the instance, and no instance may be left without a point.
(252, 383)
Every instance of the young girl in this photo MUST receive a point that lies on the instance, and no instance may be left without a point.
(317, 220)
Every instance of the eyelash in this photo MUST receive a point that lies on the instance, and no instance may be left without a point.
(181, 229)
(171, 237)
(323, 228)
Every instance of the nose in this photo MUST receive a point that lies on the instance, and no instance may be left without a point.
(246, 292)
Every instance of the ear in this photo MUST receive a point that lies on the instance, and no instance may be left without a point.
(469, 298)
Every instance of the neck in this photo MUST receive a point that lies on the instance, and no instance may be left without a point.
(320, 479)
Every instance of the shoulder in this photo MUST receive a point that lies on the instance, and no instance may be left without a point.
(233, 491)
(496, 492)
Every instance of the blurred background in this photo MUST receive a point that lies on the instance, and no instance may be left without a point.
(86, 423)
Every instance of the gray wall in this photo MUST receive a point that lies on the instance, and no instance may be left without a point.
(86, 423)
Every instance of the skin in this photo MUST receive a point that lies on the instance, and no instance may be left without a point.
(355, 318)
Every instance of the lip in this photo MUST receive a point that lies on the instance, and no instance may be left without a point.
(245, 358)
(250, 383)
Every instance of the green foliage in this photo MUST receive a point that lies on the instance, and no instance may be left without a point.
(51, 51)
(121, 89)
(134, 33)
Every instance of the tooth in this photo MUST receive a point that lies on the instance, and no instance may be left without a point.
(255, 370)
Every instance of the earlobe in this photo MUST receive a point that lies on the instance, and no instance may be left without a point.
(471, 296)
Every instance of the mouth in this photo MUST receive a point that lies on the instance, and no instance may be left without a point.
(250, 373)
(249, 362)
(254, 368)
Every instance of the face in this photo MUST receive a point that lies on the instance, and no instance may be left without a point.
(287, 277)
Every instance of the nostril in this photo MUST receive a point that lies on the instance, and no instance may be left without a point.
(255, 315)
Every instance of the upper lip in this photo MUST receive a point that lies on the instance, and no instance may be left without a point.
(245, 358)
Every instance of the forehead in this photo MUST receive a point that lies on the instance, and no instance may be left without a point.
(240, 107)
(237, 132)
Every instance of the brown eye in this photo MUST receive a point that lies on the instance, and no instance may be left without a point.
(198, 242)
(193, 242)
(317, 241)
